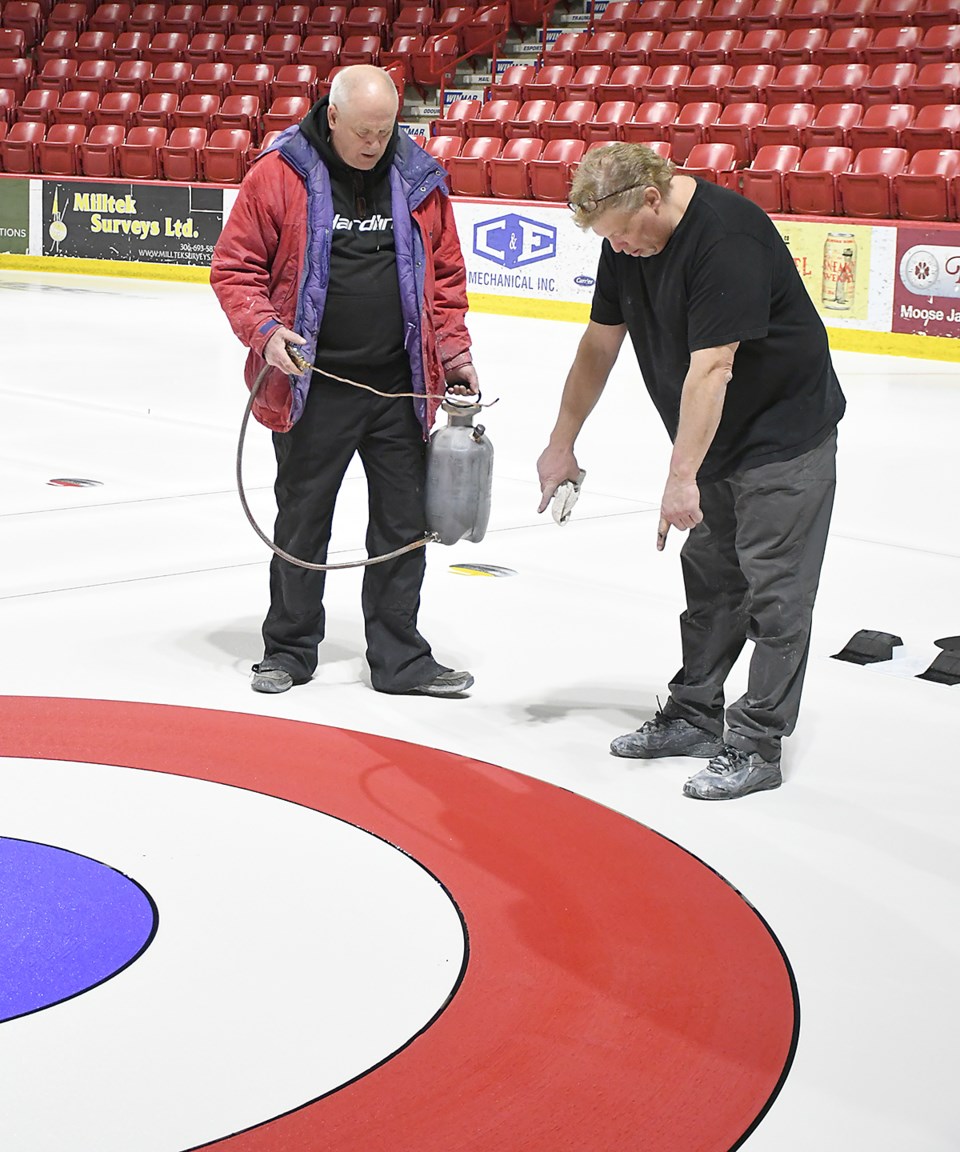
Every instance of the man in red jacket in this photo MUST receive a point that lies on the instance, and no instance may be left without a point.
(342, 242)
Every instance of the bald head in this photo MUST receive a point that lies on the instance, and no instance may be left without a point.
(362, 114)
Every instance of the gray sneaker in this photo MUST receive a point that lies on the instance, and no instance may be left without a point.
(662, 736)
(270, 679)
(444, 684)
(734, 773)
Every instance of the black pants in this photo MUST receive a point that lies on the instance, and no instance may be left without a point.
(312, 458)
(751, 570)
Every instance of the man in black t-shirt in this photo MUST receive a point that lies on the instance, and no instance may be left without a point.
(736, 361)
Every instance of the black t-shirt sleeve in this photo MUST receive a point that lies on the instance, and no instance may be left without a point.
(605, 308)
(730, 288)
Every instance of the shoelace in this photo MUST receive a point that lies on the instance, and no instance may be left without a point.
(727, 761)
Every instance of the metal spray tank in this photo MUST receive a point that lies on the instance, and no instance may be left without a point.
(459, 476)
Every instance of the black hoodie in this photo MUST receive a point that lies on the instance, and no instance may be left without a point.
(361, 335)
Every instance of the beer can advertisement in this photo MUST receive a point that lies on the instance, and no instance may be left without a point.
(927, 291)
(834, 261)
(149, 223)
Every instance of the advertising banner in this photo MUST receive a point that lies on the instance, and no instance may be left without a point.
(150, 223)
(527, 252)
(847, 269)
(15, 216)
(927, 293)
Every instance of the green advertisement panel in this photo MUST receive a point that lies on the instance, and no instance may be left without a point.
(14, 216)
(147, 223)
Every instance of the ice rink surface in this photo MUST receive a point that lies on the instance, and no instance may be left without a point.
(151, 587)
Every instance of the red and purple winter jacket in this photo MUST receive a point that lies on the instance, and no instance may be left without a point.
(271, 267)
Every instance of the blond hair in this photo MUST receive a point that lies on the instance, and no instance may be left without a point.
(616, 176)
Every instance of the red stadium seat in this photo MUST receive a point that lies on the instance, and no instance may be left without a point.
(292, 80)
(891, 13)
(623, 83)
(93, 46)
(551, 173)
(934, 12)
(757, 47)
(568, 120)
(749, 84)
(219, 18)
(441, 148)
(56, 74)
(209, 79)
(455, 116)
(891, 45)
(612, 18)
(812, 188)
(289, 20)
(509, 84)
(400, 54)
(166, 47)
(687, 15)
(98, 153)
(196, 111)
(494, 116)
(252, 80)
(675, 49)
(806, 14)
(137, 157)
(608, 122)
(130, 46)
(689, 128)
(845, 46)
(16, 75)
(24, 16)
(253, 20)
(939, 45)
(927, 190)
(831, 125)
(800, 46)
(68, 17)
(205, 48)
(182, 18)
(887, 84)
(180, 156)
(765, 14)
(55, 45)
(664, 81)
(117, 108)
(156, 110)
(717, 47)
(795, 84)
(637, 48)
(548, 82)
(714, 162)
(736, 126)
(94, 76)
(132, 76)
(652, 15)
(237, 112)
(487, 29)
(245, 48)
(936, 127)
(509, 172)
(76, 107)
(169, 76)
(284, 48)
(934, 84)
(563, 50)
(58, 151)
(225, 156)
(284, 113)
(784, 124)
(881, 126)
(726, 14)
(18, 149)
(364, 20)
(705, 84)
(845, 13)
(8, 102)
(583, 85)
(38, 105)
(146, 18)
(110, 18)
(437, 59)
(867, 189)
(650, 121)
(413, 20)
(840, 84)
(762, 181)
(469, 168)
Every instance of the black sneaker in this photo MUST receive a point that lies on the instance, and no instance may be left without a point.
(445, 684)
(732, 774)
(662, 736)
(270, 680)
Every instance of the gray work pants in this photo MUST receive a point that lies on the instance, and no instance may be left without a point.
(751, 570)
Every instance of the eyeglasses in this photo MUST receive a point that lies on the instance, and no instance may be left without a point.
(590, 203)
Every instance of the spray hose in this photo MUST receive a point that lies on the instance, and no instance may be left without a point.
(302, 363)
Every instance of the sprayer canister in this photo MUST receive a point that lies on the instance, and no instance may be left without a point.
(459, 477)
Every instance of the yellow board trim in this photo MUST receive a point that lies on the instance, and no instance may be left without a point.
(124, 269)
(841, 339)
